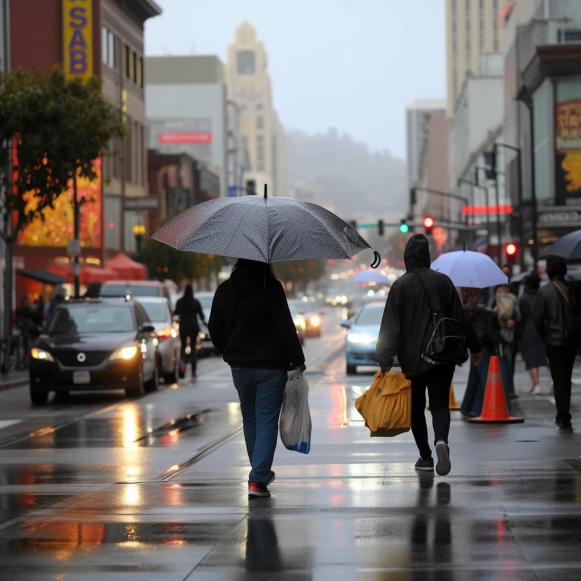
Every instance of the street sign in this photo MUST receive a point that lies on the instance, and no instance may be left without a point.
(142, 203)
(74, 248)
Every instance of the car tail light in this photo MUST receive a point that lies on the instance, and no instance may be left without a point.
(166, 333)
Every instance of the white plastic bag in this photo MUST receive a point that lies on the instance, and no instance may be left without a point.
(295, 416)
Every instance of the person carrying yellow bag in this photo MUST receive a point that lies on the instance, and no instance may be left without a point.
(386, 406)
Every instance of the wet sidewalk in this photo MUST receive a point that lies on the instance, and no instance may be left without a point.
(354, 508)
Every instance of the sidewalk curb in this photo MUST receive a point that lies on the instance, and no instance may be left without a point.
(4, 385)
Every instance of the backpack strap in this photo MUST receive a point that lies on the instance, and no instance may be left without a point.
(561, 291)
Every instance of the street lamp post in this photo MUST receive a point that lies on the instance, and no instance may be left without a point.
(139, 233)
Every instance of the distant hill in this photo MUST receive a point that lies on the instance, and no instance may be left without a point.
(357, 180)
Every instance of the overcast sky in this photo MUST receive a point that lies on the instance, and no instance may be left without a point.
(349, 64)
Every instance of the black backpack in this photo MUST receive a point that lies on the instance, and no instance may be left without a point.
(573, 300)
(445, 341)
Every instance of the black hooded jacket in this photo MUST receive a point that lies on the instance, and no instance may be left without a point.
(251, 325)
(407, 312)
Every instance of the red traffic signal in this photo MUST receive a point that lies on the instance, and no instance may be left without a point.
(511, 250)
(428, 224)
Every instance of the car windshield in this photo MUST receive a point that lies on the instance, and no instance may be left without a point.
(118, 290)
(370, 315)
(81, 319)
(157, 312)
(293, 310)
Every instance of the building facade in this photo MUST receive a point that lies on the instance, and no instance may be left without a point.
(111, 50)
(474, 27)
(543, 119)
(249, 85)
(186, 109)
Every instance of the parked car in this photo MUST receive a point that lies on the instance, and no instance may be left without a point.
(136, 288)
(299, 322)
(95, 344)
(167, 330)
(361, 340)
(312, 319)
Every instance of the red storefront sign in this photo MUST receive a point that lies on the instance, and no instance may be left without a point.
(483, 210)
(186, 137)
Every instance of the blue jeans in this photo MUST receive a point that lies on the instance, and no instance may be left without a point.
(260, 392)
(474, 395)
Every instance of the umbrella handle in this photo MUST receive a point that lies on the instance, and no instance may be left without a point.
(376, 259)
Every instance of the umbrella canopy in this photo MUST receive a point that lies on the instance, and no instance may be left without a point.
(470, 269)
(371, 276)
(43, 276)
(567, 247)
(128, 268)
(262, 229)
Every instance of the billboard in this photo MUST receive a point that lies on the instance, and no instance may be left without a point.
(191, 136)
(56, 227)
(78, 38)
(567, 150)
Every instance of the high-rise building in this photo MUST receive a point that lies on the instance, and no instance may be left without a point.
(249, 85)
(474, 27)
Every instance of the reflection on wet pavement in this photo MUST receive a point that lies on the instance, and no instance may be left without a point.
(84, 502)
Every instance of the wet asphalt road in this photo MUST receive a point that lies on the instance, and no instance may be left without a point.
(100, 487)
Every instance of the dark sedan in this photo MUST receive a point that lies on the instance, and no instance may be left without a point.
(95, 344)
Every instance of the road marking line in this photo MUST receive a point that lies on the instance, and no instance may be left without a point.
(6, 423)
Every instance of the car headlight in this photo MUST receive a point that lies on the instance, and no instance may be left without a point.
(315, 321)
(362, 338)
(40, 354)
(125, 353)
(299, 322)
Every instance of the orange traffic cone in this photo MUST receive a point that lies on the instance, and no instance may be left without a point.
(494, 410)
(453, 404)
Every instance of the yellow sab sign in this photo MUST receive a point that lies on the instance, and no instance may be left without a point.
(78, 38)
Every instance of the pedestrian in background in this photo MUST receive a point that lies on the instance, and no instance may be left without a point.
(188, 309)
(532, 346)
(484, 323)
(252, 327)
(558, 329)
(508, 318)
(404, 326)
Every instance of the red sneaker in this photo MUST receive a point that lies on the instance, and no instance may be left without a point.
(271, 478)
(257, 490)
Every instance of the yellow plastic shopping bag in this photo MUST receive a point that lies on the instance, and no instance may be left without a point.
(386, 406)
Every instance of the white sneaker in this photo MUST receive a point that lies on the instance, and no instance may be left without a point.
(444, 465)
(536, 390)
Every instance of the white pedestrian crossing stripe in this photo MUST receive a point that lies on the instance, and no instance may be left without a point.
(6, 423)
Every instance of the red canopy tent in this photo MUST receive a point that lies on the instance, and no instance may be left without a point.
(127, 269)
(89, 274)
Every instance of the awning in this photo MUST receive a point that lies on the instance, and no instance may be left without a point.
(88, 275)
(43, 276)
(127, 268)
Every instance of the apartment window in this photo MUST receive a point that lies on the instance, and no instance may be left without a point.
(108, 44)
(259, 107)
(140, 71)
(133, 66)
(128, 62)
(260, 122)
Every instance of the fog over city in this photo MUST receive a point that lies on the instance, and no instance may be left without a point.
(339, 64)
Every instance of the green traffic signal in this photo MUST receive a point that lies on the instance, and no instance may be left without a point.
(403, 227)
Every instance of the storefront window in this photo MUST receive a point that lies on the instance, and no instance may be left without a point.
(568, 141)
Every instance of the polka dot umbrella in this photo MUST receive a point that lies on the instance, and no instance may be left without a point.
(264, 229)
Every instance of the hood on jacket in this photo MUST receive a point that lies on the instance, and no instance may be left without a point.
(248, 275)
(417, 253)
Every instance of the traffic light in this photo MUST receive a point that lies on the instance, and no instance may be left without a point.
(413, 197)
(403, 227)
(428, 224)
(511, 250)
(380, 230)
(490, 163)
